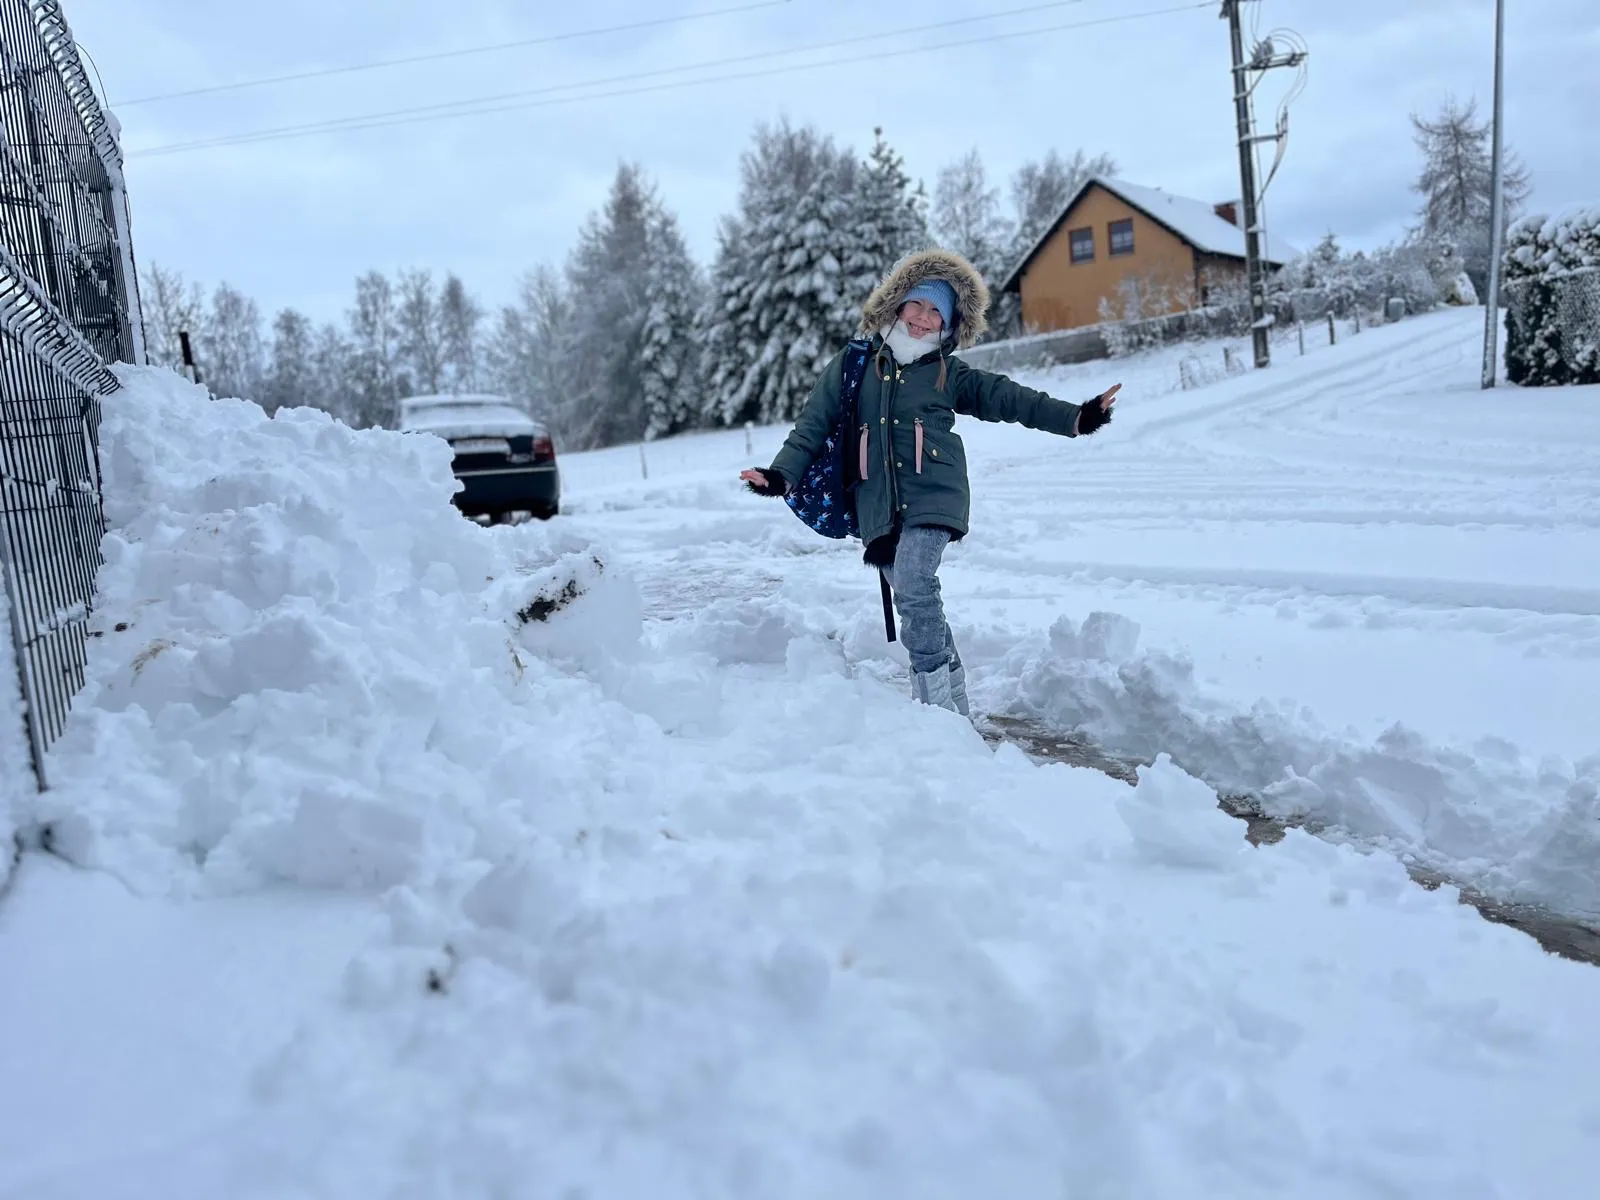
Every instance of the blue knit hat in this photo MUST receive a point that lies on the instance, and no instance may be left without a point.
(937, 293)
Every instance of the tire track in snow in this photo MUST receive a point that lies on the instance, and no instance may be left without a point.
(1315, 383)
(1544, 600)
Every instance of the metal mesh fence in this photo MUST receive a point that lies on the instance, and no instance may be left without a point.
(1553, 328)
(65, 286)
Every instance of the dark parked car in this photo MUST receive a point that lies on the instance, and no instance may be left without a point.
(505, 459)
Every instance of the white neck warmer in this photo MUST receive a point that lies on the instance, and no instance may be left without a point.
(907, 349)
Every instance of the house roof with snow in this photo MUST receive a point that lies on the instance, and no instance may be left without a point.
(1194, 221)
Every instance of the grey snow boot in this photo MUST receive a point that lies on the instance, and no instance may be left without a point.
(958, 691)
(933, 688)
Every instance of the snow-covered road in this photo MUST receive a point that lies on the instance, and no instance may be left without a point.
(1362, 586)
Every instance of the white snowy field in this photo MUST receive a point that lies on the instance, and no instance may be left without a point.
(363, 887)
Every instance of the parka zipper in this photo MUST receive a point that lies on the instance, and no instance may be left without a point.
(888, 448)
(919, 445)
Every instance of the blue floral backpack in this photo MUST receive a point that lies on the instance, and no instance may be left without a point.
(822, 497)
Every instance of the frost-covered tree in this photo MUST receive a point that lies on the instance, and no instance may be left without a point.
(966, 216)
(438, 332)
(460, 324)
(781, 302)
(1400, 271)
(172, 305)
(1325, 257)
(376, 377)
(333, 365)
(669, 358)
(524, 354)
(291, 375)
(1457, 183)
(233, 357)
(419, 330)
(1326, 280)
(1299, 290)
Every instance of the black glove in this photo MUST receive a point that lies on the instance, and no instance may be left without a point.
(776, 484)
(1093, 414)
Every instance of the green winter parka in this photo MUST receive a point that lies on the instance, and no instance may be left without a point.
(908, 460)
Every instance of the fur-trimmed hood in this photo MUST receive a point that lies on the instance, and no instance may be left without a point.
(972, 294)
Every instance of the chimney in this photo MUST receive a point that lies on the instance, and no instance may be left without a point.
(1228, 210)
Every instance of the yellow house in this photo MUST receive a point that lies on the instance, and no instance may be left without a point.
(1115, 241)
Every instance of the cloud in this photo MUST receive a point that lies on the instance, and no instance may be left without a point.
(293, 222)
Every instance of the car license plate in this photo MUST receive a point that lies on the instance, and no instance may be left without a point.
(482, 446)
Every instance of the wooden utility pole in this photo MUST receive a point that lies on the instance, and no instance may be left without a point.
(1263, 57)
(1255, 268)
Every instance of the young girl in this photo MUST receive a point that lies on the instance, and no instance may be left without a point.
(910, 471)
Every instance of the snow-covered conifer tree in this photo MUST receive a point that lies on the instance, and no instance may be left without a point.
(888, 220)
(669, 359)
(779, 308)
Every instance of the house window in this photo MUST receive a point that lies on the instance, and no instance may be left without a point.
(1082, 243)
(1121, 236)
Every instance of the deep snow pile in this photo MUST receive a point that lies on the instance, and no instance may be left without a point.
(308, 669)
(693, 907)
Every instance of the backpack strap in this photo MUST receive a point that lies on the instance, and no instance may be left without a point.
(854, 370)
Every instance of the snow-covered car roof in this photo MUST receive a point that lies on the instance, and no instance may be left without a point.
(451, 400)
(466, 416)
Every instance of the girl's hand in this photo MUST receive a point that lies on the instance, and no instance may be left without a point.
(1097, 412)
(764, 483)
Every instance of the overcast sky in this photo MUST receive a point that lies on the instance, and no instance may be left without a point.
(293, 221)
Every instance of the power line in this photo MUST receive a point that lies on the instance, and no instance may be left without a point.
(436, 56)
(431, 113)
(363, 121)
(360, 121)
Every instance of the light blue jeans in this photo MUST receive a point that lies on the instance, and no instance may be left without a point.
(914, 580)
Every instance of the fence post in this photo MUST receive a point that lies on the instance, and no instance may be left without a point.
(1300, 328)
(189, 367)
(644, 466)
(12, 612)
(1333, 336)
(749, 448)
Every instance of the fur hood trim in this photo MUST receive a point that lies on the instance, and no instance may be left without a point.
(972, 294)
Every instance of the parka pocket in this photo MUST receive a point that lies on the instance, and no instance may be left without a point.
(863, 464)
(918, 424)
